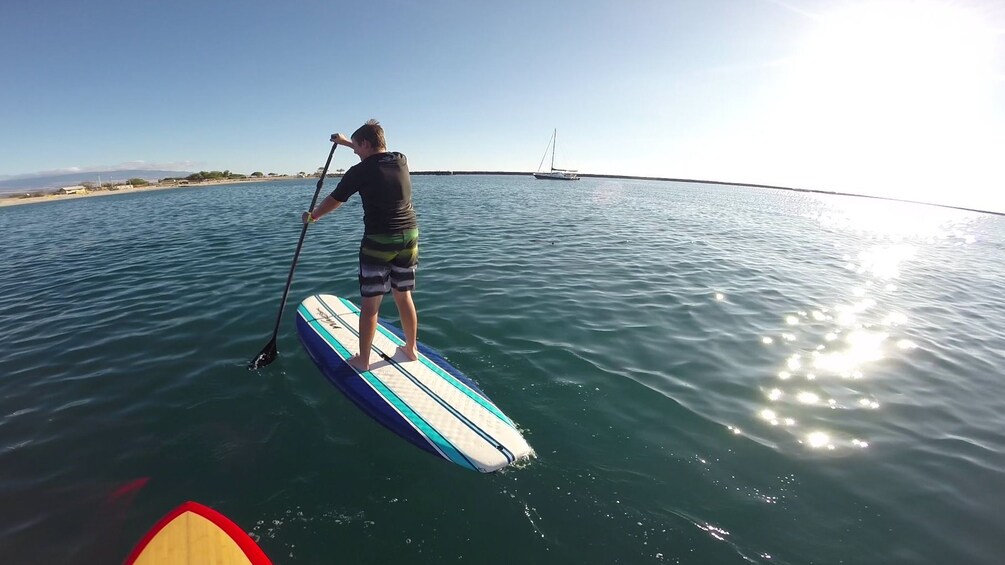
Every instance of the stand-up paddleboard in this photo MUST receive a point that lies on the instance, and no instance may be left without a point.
(195, 534)
(428, 402)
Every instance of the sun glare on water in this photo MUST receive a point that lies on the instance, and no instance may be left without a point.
(831, 359)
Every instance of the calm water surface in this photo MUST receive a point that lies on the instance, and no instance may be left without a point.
(709, 374)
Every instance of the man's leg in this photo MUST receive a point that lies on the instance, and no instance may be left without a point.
(367, 328)
(409, 322)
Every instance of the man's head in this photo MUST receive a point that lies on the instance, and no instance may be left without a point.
(369, 139)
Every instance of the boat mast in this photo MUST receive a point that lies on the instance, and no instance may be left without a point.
(554, 144)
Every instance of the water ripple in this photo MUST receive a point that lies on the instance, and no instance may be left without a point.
(708, 374)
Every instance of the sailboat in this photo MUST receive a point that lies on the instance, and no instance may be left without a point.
(554, 174)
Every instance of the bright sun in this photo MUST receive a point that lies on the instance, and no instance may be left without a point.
(896, 98)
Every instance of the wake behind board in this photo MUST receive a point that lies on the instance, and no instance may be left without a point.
(428, 402)
(195, 534)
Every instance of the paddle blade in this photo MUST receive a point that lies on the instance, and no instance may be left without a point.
(268, 355)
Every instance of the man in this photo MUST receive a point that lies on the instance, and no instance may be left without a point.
(389, 251)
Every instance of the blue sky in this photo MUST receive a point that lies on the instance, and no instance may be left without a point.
(886, 97)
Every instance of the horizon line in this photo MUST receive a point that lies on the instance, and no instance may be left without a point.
(446, 172)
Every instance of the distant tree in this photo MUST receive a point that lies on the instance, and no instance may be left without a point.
(208, 175)
(257, 174)
(137, 182)
(88, 185)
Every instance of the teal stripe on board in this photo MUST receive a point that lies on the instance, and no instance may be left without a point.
(473, 426)
(481, 400)
(431, 433)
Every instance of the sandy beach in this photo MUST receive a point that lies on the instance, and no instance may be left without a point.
(15, 200)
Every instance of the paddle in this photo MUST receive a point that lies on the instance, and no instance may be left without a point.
(270, 352)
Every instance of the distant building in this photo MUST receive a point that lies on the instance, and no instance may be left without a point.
(77, 189)
(121, 187)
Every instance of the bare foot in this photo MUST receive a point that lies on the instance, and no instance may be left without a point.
(360, 363)
(410, 354)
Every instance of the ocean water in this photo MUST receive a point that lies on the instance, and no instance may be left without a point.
(708, 374)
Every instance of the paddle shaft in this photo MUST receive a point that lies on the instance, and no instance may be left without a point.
(296, 256)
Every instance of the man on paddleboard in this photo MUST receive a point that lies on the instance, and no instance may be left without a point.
(389, 251)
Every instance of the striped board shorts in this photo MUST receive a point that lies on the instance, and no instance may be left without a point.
(388, 261)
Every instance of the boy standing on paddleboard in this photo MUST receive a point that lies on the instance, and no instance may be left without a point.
(389, 251)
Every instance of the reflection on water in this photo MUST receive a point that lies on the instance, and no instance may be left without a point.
(894, 221)
(826, 352)
(861, 347)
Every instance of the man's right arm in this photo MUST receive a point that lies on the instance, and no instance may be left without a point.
(327, 205)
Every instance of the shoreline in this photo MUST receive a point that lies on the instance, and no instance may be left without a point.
(15, 201)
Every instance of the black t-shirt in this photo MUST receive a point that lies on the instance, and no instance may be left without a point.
(385, 187)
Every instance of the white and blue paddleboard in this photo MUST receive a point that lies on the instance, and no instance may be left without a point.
(428, 402)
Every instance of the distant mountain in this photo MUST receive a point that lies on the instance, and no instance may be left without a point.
(57, 181)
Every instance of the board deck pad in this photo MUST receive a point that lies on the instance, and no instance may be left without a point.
(195, 534)
(428, 402)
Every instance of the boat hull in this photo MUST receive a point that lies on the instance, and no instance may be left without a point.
(555, 176)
